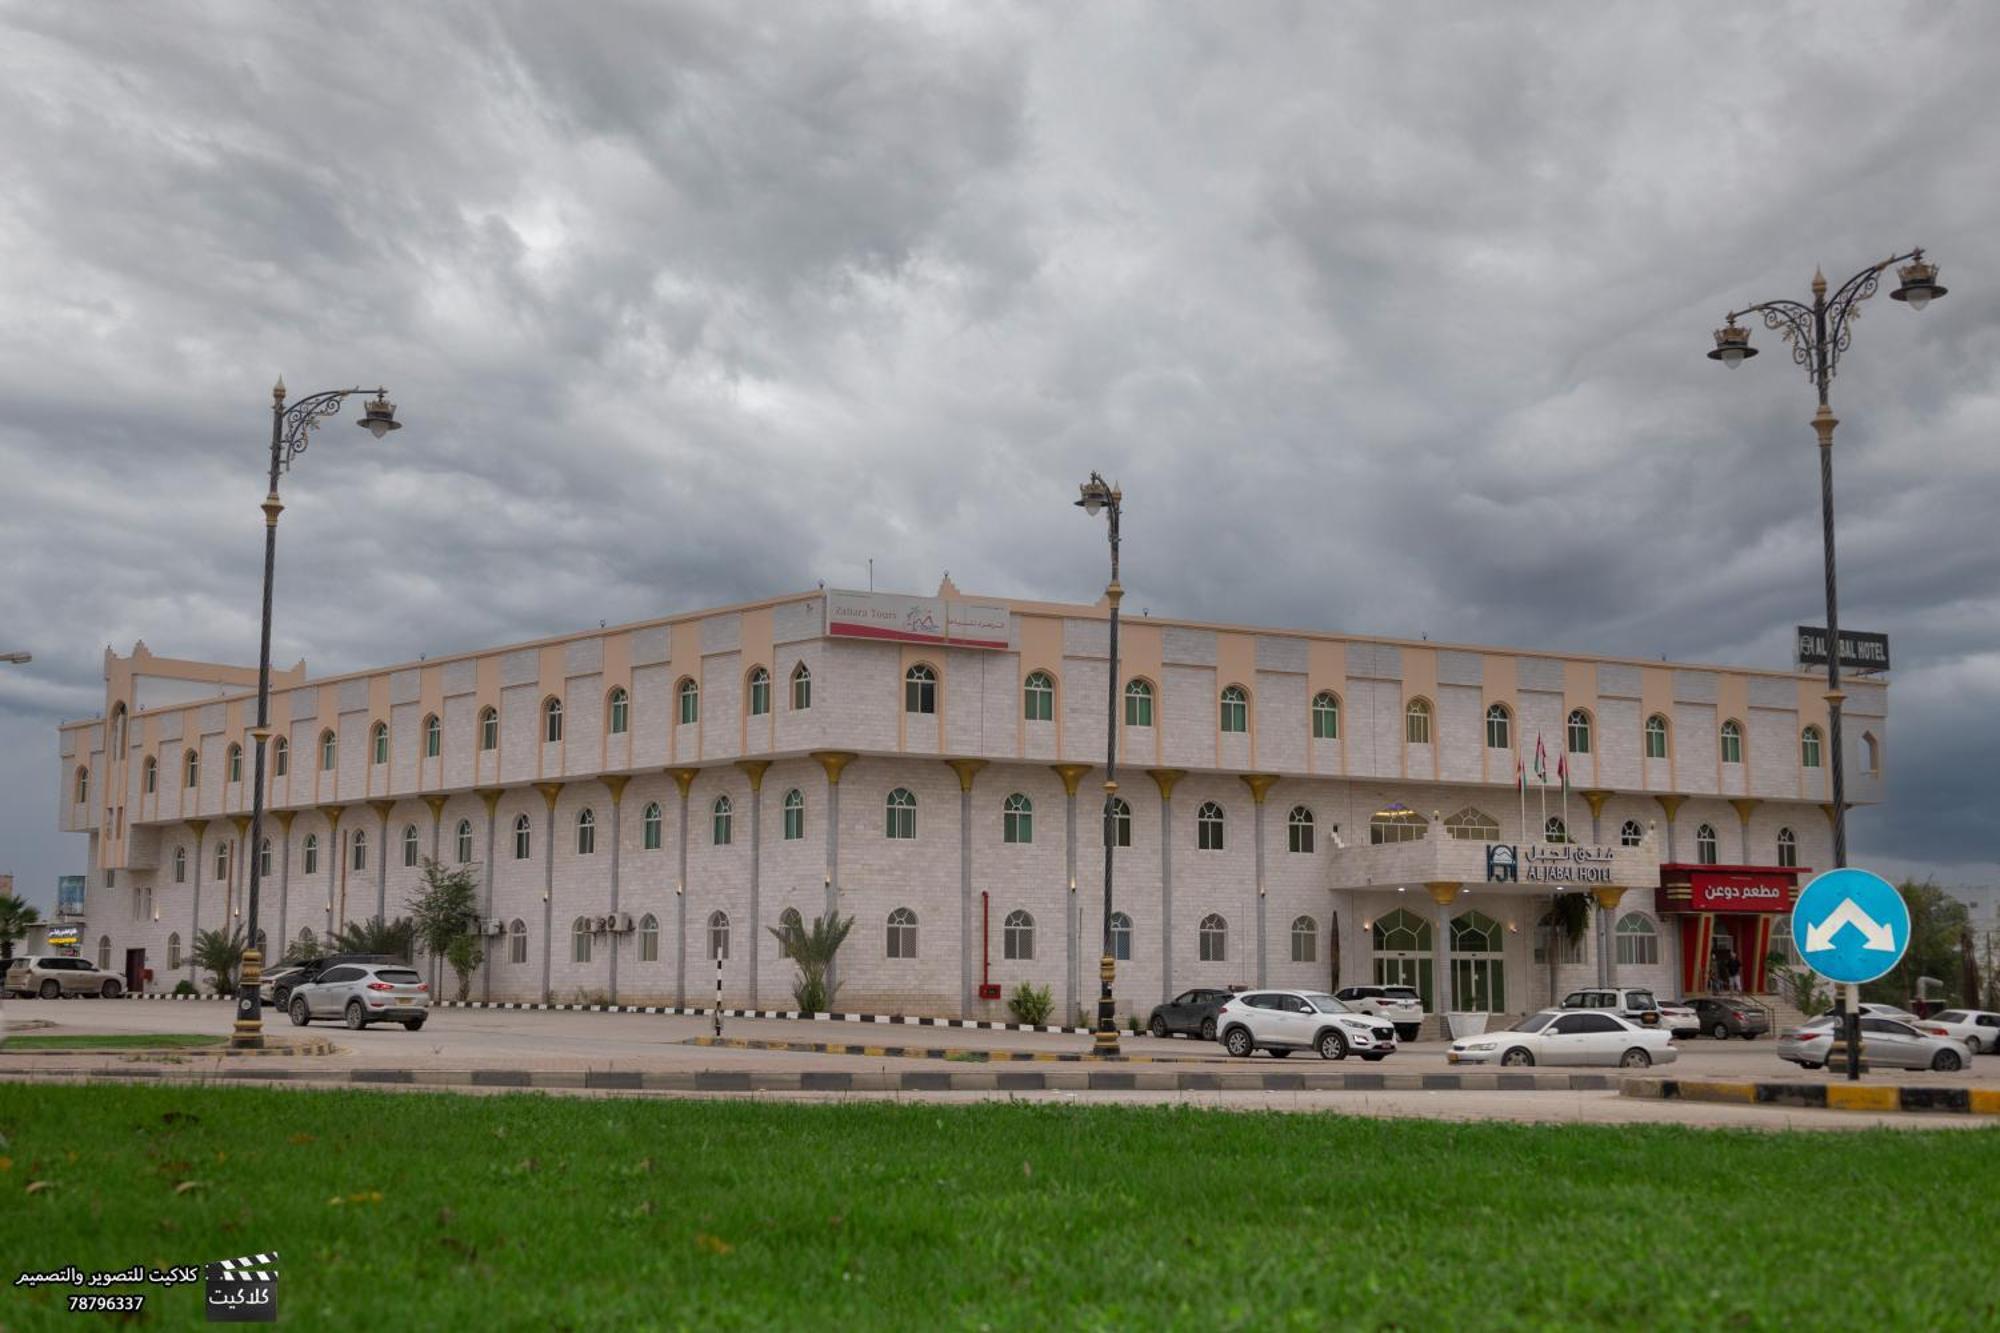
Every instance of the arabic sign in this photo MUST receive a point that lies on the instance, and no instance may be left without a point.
(1858, 651)
(64, 937)
(867, 615)
(1549, 863)
(1736, 891)
(1850, 925)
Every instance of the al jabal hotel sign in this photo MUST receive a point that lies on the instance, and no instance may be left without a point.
(1548, 863)
(868, 615)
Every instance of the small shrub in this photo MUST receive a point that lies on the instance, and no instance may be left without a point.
(184, 987)
(1135, 1023)
(1031, 1004)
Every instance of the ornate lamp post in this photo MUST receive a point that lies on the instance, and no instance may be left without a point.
(289, 428)
(1097, 494)
(1819, 333)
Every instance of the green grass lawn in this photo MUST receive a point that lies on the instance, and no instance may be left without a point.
(113, 1041)
(525, 1211)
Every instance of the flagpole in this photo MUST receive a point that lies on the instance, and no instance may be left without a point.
(1542, 780)
(1562, 763)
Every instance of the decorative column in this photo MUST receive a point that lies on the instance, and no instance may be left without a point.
(1164, 779)
(1443, 892)
(1596, 800)
(491, 797)
(754, 770)
(200, 826)
(336, 857)
(550, 792)
(382, 809)
(1671, 804)
(1600, 923)
(683, 779)
(437, 804)
(230, 911)
(1606, 897)
(1259, 785)
(1071, 774)
(615, 784)
(1744, 807)
(833, 761)
(284, 818)
(967, 770)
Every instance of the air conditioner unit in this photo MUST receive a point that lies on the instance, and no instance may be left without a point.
(600, 924)
(622, 923)
(496, 927)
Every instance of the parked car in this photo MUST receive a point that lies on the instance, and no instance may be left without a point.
(50, 975)
(363, 993)
(1191, 1013)
(313, 968)
(1628, 1002)
(1977, 1028)
(267, 989)
(1680, 1019)
(1722, 1019)
(1283, 1021)
(1401, 1005)
(1569, 1037)
(1888, 1042)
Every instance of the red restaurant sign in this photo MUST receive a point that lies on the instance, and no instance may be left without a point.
(1740, 891)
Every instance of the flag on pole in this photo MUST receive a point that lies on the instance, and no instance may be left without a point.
(1541, 763)
(1520, 776)
(1562, 772)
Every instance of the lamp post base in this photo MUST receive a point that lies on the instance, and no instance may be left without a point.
(249, 1033)
(1104, 1041)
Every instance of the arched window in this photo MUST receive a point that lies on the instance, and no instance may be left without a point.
(650, 827)
(1038, 697)
(378, 743)
(1871, 753)
(1809, 748)
(1299, 828)
(489, 728)
(1630, 834)
(311, 859)
(307, 938)
(1305, 940)
(1732, 742)
(104, 953)
(1121, 937)
(1396, 823)
(1017, 936)
(1017, 819)
(1401, 931)
(1704, 845)
(579, 940)
(1656, 737)
(618, 711)
(724, 814)
(1788, 848)
(1555, 830)
(1120, 831)
(149, 772)
(794, 815)
(1479, 972)
(174, 951)
(191, 764)
(264, 859)
(790, 924)
(517, 941)
(718, 935)
(523, 837)
(1417, 722)
(433, 736)
(760, 691)
(1326, 716)
(281, 757)
(902, 933)
(649, 938)
(1235, 708)
(464, 841)
(1579, 731)
(586, 832)
(359, 845)
(1213, 934)
(1499, 728)
(802, 688)
(1138, 703)
(409, 845)
(689, 694)
(1208, 827)
(920, 690)
(902, 808)
(83, 786)
(235, 762)
(1638, 940)
(329, 751)
(1473, 825)
(221, 861)
(118, 731)
(552, 730)
(180, 865)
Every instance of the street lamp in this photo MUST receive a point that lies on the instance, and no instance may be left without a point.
(1819, 333)
(289, 428)
(1098, 495)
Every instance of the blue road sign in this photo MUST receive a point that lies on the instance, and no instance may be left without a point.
(1850, 925)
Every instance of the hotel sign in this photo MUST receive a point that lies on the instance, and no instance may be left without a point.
(867, 615)
(1858, 651)
(1548, 863)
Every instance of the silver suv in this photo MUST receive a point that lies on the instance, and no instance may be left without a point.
(50, 975)
(364, 993)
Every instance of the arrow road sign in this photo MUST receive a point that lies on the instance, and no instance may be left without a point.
(1852, 926)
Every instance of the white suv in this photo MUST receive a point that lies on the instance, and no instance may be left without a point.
(1401, 1005)
(1283, 1021)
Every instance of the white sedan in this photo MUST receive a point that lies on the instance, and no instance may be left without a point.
(1568, 1037)
(1977, 1028)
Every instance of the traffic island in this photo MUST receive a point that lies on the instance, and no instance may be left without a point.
(1876, 1097)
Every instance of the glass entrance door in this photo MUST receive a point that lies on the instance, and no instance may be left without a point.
(1404, 969)
(1478, 964)
(1401, 943)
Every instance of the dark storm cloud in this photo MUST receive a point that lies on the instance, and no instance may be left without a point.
(1388, 321)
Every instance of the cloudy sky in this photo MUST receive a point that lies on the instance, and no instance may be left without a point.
(1389, 319)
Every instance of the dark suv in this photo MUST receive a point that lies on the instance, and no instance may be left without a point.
(1191, 1013)
(1721, 1019)
(308, 972)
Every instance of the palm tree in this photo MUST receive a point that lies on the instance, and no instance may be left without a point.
(813, 950)
(219, 955)
(16, 916)
(397, 938)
